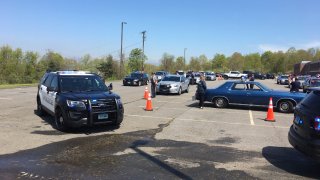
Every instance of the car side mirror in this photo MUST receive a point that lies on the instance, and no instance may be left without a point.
(110, 86)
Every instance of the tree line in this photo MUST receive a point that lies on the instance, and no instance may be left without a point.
(17, 66)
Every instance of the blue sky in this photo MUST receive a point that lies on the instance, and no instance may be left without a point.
(78, 27)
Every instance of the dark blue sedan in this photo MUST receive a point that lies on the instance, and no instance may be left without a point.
(251, 93)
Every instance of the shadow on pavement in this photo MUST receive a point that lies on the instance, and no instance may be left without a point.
(292, 161)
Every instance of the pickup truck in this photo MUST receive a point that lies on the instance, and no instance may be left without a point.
(233, 74)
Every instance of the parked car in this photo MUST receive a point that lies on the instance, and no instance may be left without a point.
(252, 93)
(310, 84)
(301, 80)
(234, 74)
(283, 79)
(77, 98)
(136, 79)
(173, 84)
(211, 76)
(161, 74)
(197, 78)
(304, 134)
(270, 76)
(258, 75)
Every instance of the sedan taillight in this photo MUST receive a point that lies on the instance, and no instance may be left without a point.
(316, 123)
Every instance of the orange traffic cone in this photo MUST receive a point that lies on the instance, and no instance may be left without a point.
(146, 93)
(149, 104)
(270, 115)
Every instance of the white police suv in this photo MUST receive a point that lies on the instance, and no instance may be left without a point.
(78, 98)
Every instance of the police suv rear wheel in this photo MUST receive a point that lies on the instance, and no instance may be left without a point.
(40, 111)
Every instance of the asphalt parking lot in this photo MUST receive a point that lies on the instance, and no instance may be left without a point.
(176, 140)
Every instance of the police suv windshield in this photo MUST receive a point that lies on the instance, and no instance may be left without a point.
(82, 83)
(136, 75)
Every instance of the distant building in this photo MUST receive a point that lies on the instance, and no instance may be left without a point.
(307, 68)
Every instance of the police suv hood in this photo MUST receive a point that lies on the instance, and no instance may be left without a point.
(91, 95)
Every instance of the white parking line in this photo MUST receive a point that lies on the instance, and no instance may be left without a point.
(251, 117)
(154, 117)
(200, 120)
(170, 102)
(1, 98)
(206, 121)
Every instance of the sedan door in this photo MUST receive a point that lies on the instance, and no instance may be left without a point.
(237, 94)
(257, 96)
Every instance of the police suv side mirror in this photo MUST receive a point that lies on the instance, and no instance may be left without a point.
(110, 86)
(50, 89)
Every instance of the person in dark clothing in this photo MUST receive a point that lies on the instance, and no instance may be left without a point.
(294, 85)
(201, 89)
(251, 79)
(154, 82)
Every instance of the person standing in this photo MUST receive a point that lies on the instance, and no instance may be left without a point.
(294, 85)
(201, 90)
(251, 79)
(154, 83)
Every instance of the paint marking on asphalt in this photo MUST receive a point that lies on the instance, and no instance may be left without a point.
(153, 117)
(251, 118)
(201, 120)
(207, 121)
(2, 98)
(170, 102)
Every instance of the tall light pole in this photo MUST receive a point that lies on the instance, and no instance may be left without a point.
(184, 56)
(143, 39)
(121, 54)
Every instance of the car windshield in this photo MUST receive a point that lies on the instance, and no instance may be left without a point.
(301, 78)
(135, 75)
(159, 73)
(210, 73)
(197, 75)
(171, 78)
(284, 77)
(82, 83)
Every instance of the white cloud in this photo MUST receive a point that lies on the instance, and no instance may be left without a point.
(284, 48)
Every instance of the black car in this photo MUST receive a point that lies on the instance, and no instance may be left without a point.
(78, 98)
(270, 76)
(304, 134)
(258, 75)
(136, 79)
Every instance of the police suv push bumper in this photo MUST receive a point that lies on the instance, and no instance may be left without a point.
(95, 111)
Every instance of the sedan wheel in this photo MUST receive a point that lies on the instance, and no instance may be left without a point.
(180, 91)
(220, 102)
(285, 106)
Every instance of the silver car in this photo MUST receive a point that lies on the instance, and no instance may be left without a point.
(211, 76)
(173, 84)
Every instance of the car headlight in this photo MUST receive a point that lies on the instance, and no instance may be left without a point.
(175, 85)
(136, 80)
(74, 104)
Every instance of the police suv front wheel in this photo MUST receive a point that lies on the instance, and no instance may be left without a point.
(60, 121)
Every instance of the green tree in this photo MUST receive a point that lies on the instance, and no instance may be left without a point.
(106, 68)
(236, 62)
(31, 74)
(52, 61)
(219, 63)
(135, 61)
(194, 64)
(167, 62)
(180, 63)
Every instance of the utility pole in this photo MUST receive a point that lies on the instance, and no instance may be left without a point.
(143, 39)
(121, 54)
(184, 57)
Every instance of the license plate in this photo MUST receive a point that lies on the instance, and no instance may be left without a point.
(102, 116)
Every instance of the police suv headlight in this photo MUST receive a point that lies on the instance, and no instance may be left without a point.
(136, 80)
(76, 104)
(119, 101)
